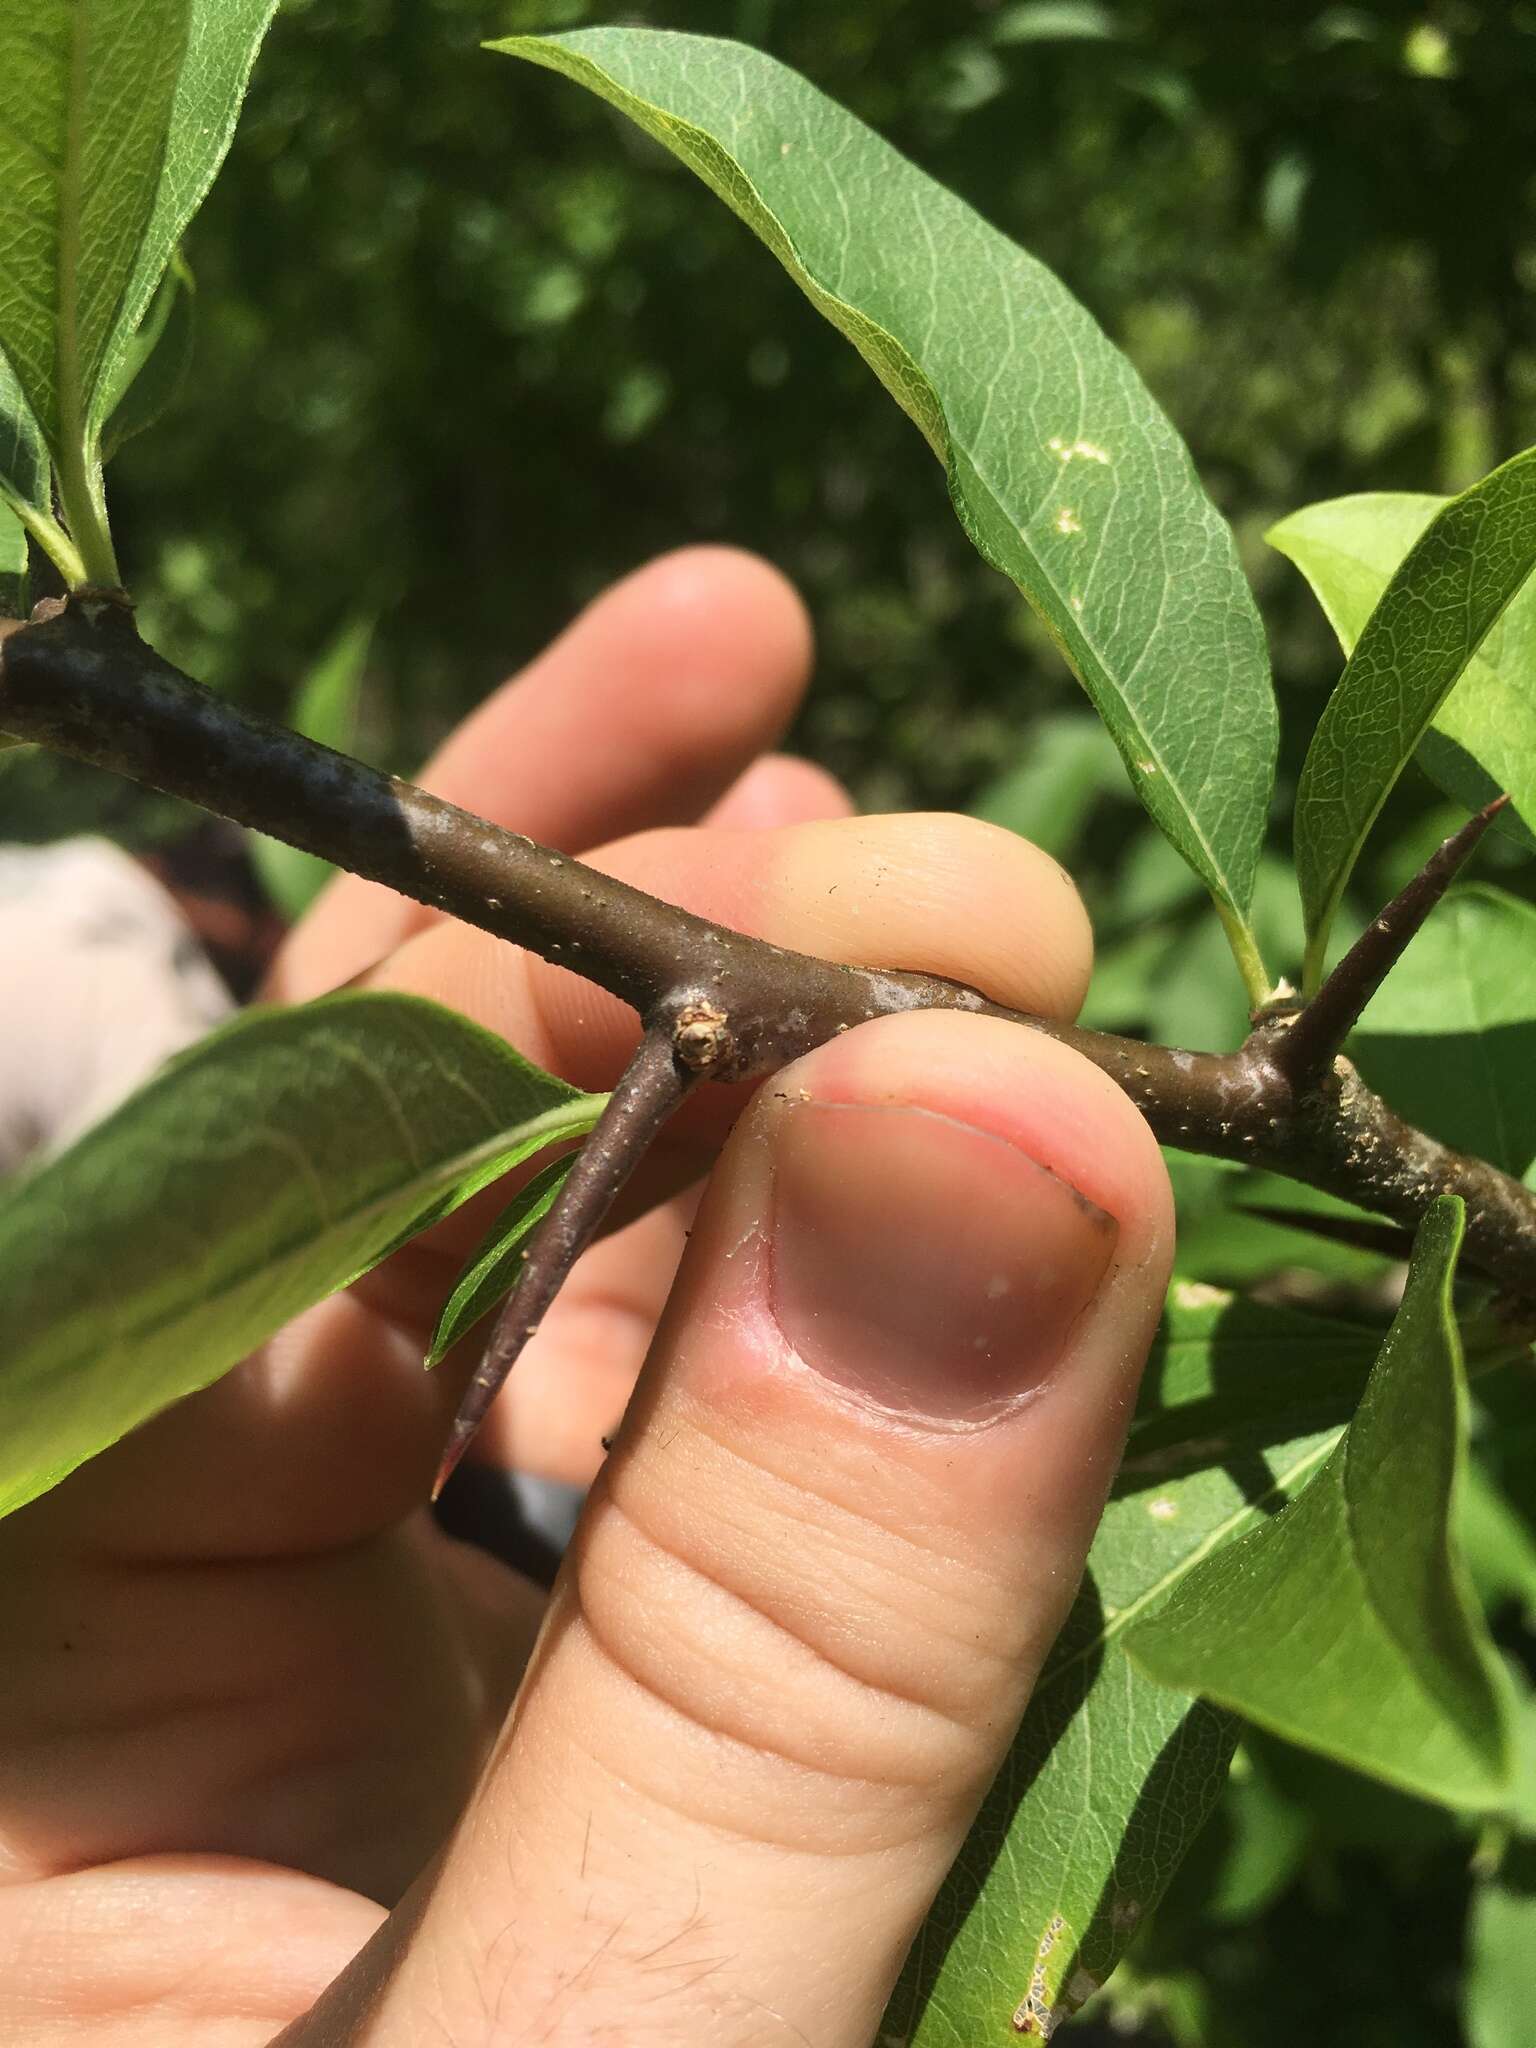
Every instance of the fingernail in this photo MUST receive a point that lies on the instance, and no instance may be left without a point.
(927, 1265)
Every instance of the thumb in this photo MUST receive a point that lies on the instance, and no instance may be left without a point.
(803, 1611)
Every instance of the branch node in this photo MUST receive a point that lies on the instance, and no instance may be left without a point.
(702, 1037)
(651, 1087)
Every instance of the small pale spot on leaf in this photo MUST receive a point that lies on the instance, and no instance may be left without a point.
(1079, 450)
(1199, 1294)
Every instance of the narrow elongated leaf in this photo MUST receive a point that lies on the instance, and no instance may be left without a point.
(1050, 21)
(114, 117)
(86, 90)
(1500, 1980)
(223, 37)
(23, 455)
(1441, 602)
(13, 572)
(1112, 1776)
(25, 488)
(259, 1172)
(148, 375)
(1062, 468)
(494, 1268)
(1501, 1962)
(1482, 740)
(1450, 1037)
(1344, 1622)
(1498, 1542)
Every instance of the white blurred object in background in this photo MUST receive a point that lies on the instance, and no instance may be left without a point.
(101, 979)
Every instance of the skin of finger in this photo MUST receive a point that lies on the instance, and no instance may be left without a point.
(795, 1633)
(641, 714)
(328, 1712)
(177, 1951)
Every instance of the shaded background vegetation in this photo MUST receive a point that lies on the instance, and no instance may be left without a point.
(469, 347)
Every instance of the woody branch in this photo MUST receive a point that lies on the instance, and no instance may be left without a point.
(82, 681)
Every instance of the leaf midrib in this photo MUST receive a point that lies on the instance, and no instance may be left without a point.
(67, 342)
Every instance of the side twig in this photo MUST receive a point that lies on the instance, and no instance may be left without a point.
(653, 1084)
(1307, 1050)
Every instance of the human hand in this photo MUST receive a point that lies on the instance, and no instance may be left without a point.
(252, 1690)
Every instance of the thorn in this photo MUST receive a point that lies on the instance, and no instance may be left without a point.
(1358, 1232)
(652, 1086)
(1306, 1050)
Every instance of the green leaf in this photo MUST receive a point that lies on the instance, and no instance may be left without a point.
(1055, 21)
(1223, 1240)
(24, 471)
(1064, 471)
(1069, 764)
(26, 497)
(148, 376)
(114, 116)
(1498, 1543)
(1263, 1843)
(1343, 1623)
(1442, 600)
(1125, 974)
(86, 90)
(222, 39)
(13, 575)
(1450, 1037)
(326, 710)
(1348, 1810)
(1501, 1959)
(1112, 1776)
(256, 1174)
(1483, 738)
(494, 1268)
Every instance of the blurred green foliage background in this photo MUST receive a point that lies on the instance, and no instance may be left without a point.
(469, 347)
